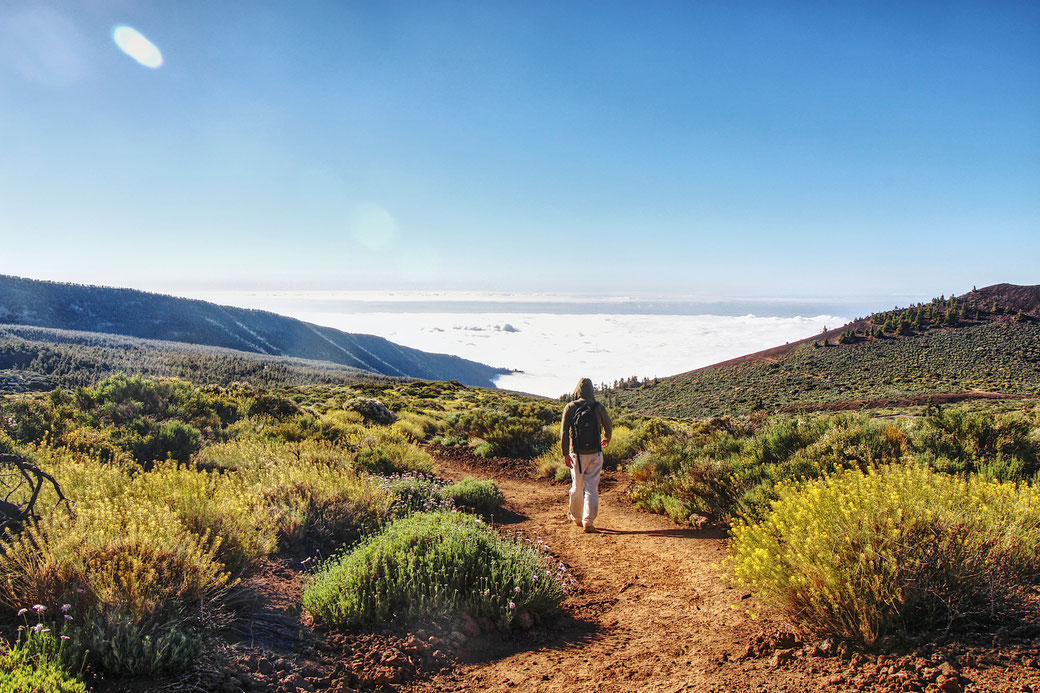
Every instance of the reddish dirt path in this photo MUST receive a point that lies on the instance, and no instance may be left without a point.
(652, 614)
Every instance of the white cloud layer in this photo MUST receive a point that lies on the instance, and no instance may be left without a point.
(554, 351)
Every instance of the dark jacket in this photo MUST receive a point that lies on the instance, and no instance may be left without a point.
(583, 393)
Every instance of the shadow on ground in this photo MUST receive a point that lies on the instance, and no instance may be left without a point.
(563, 631)
(678, 533)
(505, 516)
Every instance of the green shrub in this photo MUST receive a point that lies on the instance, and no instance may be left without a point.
(728, 470)
(431, 565)
(32, 419)
(471, 494)
(956, 439)
(392, 458)
(265, 404)
(35, 665)
(119, 645)
(684, 476)
(414, 493)
(505, 435)
(889, 552)
(122, 400)
(174, 440)
(624, 445)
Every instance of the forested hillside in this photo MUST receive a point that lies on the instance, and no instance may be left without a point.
(154, 316)
(987, 341)
(38, 359)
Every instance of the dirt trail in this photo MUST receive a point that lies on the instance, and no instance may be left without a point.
(652, 614)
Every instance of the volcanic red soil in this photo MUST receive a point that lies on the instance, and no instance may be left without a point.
(651, 612)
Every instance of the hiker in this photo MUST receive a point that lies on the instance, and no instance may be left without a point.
(583, 452)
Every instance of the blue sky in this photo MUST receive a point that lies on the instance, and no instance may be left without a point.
(722, 149)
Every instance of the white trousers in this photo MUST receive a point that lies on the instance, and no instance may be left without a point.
(584, 498)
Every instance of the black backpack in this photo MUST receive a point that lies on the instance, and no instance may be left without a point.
(585, 428)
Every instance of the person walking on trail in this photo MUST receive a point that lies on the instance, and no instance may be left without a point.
(582, 446)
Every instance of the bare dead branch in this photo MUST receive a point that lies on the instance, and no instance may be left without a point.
(27, 478)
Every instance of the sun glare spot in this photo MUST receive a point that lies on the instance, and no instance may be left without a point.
(373, 227)
(137, 46)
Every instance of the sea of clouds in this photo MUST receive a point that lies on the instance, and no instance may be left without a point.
(553, 341)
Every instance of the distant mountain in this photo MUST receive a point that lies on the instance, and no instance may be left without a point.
(985, 343)
(155, 316)
(39, 359)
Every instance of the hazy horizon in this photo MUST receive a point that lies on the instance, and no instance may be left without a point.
(433, 301)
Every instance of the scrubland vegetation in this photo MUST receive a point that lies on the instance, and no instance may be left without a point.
(895, 550)
(861, 527)
(992, 357)
(178, 492)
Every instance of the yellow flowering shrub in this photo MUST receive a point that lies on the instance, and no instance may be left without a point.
(121, 553)
(895, 549)
(329, 503)
(140, 554)
(209, 503)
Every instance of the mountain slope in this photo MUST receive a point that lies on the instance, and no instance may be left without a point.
(39, 359)
(987, 341)
(155, 316)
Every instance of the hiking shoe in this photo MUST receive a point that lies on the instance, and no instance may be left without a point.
(589, 529)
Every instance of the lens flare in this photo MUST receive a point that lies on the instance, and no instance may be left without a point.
(137, 46)
(373, 227)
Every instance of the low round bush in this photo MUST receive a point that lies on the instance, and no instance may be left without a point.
(265, 404)
(414, 493)
(503, 434)
(471, 494)
(891, 551)
(624, 445)
(432, 565)
(372, 410)
(392, 458)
